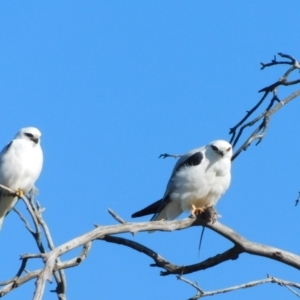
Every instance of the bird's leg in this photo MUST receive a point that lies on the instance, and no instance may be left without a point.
(20, 193)
(207, 212)
(197, 210)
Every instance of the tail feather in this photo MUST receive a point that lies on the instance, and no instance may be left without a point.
(149, 210)
(163, 209)
(6, 204)
(1, 222)
(169, 211)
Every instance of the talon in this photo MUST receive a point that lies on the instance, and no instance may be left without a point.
(197, 210)
(207, 213)
(20, 193)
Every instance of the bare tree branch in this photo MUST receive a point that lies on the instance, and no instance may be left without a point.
(115, 216)
(36, 211)
(298, 199)
(269, 279)
(165, 155)
(259, 133)
(158, 259)
(241, 245)
(101, 233)
(61, 278)
(275, 62)
(36, 214)
(59, 266)
(53, 266)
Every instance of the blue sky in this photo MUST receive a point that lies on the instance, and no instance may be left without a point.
(111, 85)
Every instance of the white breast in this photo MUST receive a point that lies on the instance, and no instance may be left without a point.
(21, 165)
(201, 185)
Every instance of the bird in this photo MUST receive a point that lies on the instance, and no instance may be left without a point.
(200, 177)
(21, 163)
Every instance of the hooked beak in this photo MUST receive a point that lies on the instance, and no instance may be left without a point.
(36, 140)
(221, 153)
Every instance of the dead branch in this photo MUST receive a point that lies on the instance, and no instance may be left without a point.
(165, 155)
(116, 217)
(260, 131)
(35, 212)
(241, 245)
(297, 200)
(53, 266)
(34, 274)
(274, 62)
(158, 259)
(269, 279)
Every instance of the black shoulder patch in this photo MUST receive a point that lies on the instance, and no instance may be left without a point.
(6, 148)
(193, 160)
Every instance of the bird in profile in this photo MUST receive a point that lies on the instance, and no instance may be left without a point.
(21, 163)
(199, 178)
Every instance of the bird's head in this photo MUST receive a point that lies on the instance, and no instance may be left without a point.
(29, 133)
(221, 148)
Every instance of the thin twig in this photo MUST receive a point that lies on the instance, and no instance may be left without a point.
(201, 293)
(298, 199)
(259, 133)
(27, 225)
(14, 283)
(37, 234)
(35, 211)
(165, 155)
(116, 217)
(264, 125)
(61, 279)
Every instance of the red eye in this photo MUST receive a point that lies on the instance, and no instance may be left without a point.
(228, 149)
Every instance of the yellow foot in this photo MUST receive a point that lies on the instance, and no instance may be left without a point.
(197, 210)
(20, 193)
(207, 212)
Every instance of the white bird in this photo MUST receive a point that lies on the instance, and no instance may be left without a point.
(199, 178)
(21, 163)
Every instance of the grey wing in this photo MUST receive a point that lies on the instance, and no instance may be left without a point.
(5, 149)
(159, 208)
(192, 158)
(2, 156)
(7, 201)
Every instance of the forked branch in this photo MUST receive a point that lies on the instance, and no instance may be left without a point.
(270, 279)
(264, 117)
(55, 267)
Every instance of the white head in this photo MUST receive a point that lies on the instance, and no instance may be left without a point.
(221, 149)
(30, 134)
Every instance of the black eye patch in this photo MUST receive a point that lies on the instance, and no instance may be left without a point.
(214, 147)
(30, 135)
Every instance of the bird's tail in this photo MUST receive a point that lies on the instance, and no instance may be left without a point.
(6, 204)
(1, 222)
(149, 210)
